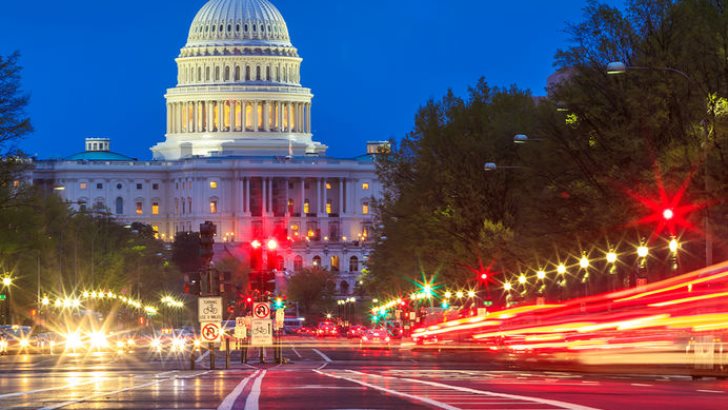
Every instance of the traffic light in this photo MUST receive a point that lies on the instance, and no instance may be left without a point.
(207, 240)
(279, 303)
(192, 283)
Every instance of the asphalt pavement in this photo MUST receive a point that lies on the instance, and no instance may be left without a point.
(330, 374)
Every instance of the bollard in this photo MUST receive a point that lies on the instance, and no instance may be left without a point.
(212, 356)
(262, 359)
(227, 353)
(244, 352)
(193, 359)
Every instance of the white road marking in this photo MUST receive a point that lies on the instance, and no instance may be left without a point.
(710, 391)
(641, 385)
(394, 392)
(539, 400)
(326, 358)
(68, 386)
(229, 401)
(202, 357)
(296, 352)
(251, 402)
(103, 394)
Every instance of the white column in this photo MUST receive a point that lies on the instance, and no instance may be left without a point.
(303, 196)
(178, 120)
(270, 195)
(318, 196)
(266, 106)
(263, 187)
(255, 116)
(340, 208)
(247, 195)
(326, 197)
(168, 120)
(308, 122)
(210, 112)
(288, 196)
(231, 115)
(220, 116)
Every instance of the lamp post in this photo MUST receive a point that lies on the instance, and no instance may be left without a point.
(7, 285)
(619, 68)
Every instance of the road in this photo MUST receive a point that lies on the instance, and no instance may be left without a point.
(328, 375)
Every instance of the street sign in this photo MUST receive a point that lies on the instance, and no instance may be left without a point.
(210, 332)
(280, 315)
(261, 310)
(241, 331)
(262, 333)
(210, 310)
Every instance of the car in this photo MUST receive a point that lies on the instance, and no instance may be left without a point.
(327, 329)
(375, 339)
(356, 331)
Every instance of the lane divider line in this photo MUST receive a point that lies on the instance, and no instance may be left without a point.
(251, 402)
(410, 397)
(229, 401)
(202, 357)
(296, 352)
(323, 356)
(555, 403)
(111, 393)
(24, 393)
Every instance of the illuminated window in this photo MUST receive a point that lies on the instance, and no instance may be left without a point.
(294, 229)
(83, 186)
(213, 184)
(365, 186)
(139, 209)
(155, 208)
(317, 261)
(328, 185)
(155, 228)
(306, 207)
(365, 208)
(353, 264)
(213, 206)
(311, 233)
(16, 183)
(328, 207)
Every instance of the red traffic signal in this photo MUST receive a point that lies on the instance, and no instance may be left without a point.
(668, 214)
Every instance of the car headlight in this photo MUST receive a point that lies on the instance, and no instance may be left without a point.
(24, 343)
(98, 340)
(73, 341)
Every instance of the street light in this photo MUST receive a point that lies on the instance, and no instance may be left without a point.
(561, 269)
(612, 257)
(643, 251)
(523, 139)
(541, 275)
(7, 281)
(618, 68)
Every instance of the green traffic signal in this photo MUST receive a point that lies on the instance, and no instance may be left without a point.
(3, 296)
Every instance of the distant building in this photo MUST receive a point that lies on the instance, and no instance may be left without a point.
(238, 152)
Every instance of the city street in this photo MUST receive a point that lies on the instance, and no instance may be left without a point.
(329, 375)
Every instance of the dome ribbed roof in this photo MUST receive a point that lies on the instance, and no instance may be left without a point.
(235, 21)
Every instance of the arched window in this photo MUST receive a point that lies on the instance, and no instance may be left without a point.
(334, 263)
(316, 261)
(227, 73)
(298, 263)
(247, 73)
(207, 73)
(217, 73)
(290, 206)
(237, 73)
(257, 73)
(353, 264)
(119, 205)
(344, 287)
(267, 73)
(199, 74)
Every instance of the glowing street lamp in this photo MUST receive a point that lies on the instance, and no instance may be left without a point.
(522, 279)
(643, 251)
(459, 294)
(541, 275)
(471, 294)
(448, 294)
(507, 286)
(561, 269)
(674, 245)
(612, 257)
(7, 281)
(584, 261)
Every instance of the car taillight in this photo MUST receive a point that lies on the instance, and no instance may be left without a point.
(364, 338)
(386, 338)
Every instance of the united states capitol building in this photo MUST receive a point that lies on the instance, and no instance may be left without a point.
(238, 152)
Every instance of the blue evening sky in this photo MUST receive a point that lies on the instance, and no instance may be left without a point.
(101, 67)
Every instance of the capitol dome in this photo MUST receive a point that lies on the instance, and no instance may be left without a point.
(239, 89)
(238, 21)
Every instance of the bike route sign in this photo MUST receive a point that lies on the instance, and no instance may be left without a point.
(210, 310)
(261, 333)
